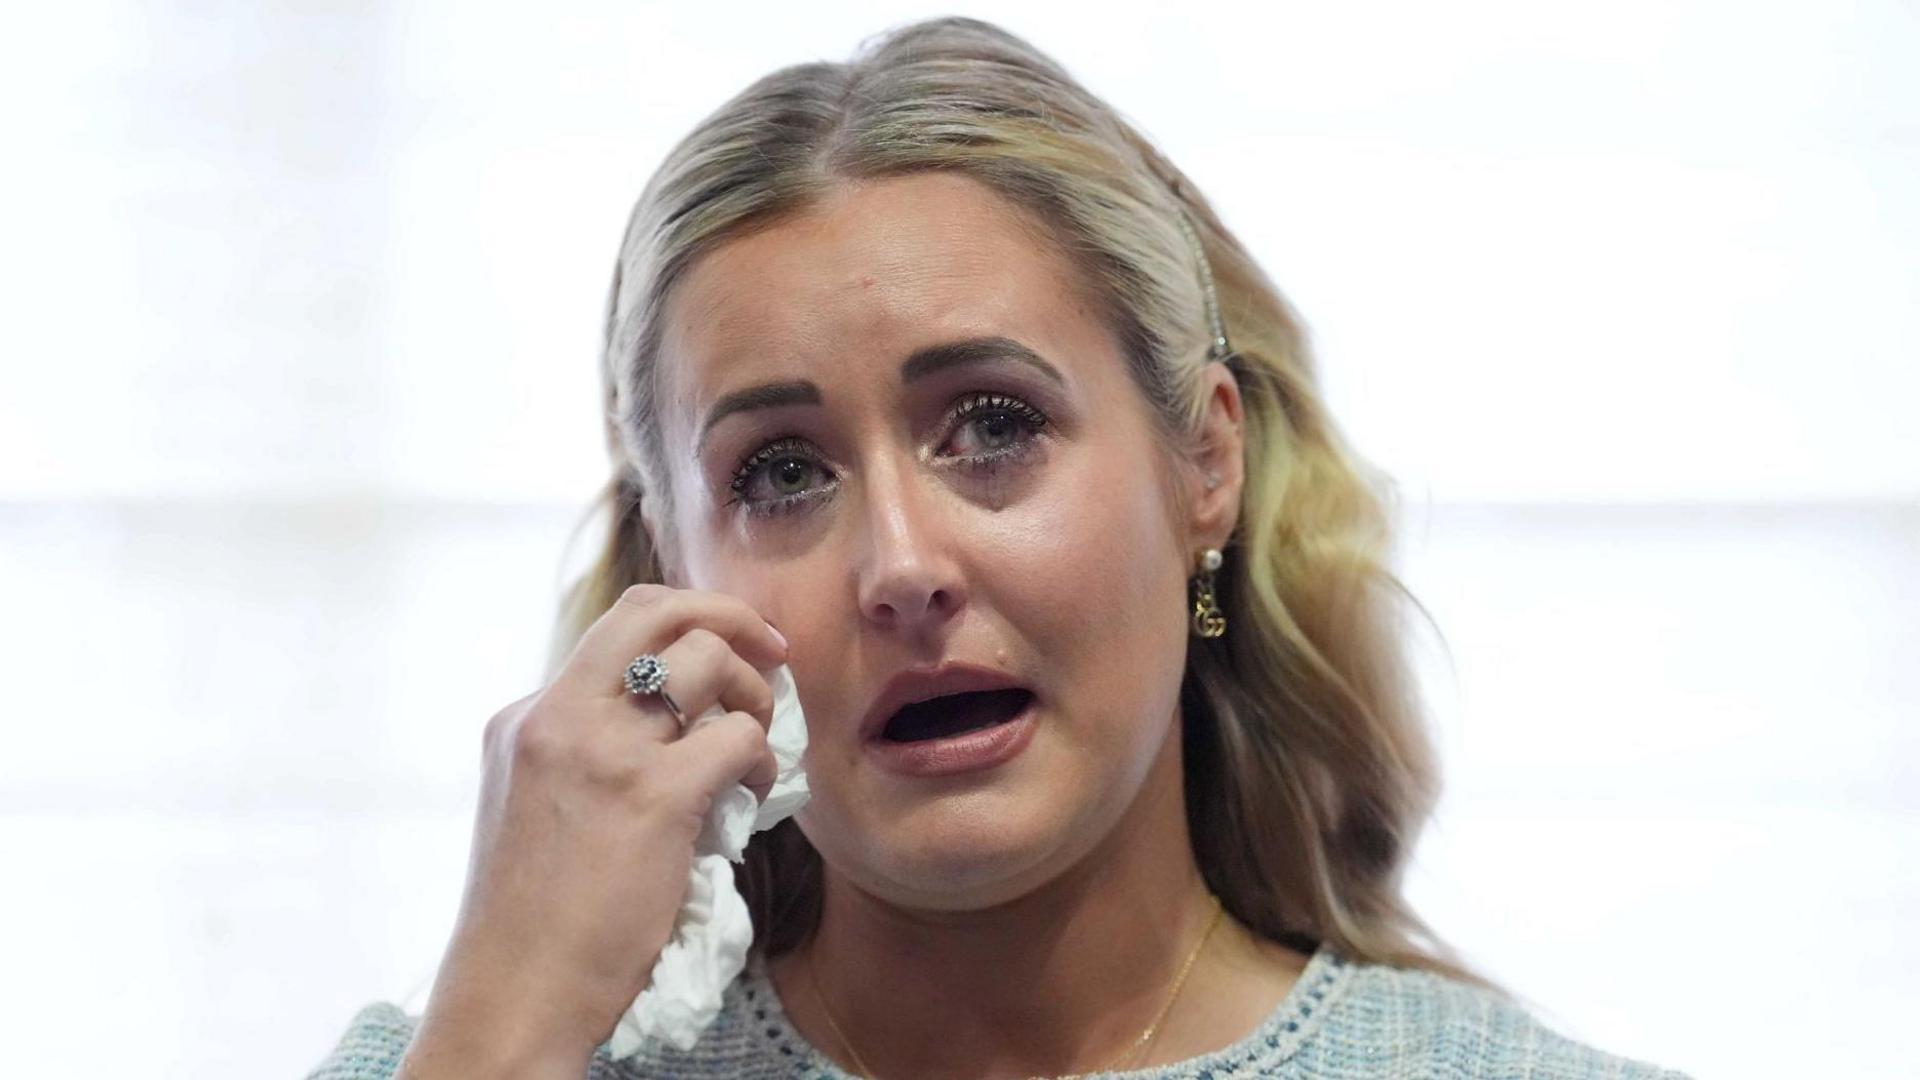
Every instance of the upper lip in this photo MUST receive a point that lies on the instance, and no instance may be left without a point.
(924, 684)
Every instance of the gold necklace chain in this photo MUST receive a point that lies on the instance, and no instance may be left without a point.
(1137, 1046)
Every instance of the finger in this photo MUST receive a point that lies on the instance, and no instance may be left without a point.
(650, 714)
(703, 672)
(729, 749)
(647, 618)
(760, 791)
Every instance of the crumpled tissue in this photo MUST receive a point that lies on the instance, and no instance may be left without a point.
(708, 949)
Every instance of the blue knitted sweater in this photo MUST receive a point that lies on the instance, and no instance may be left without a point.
(1342, 1020)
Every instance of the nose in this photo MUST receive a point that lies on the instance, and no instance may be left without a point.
(909, 579)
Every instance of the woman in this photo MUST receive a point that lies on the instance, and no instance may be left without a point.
(934, 364)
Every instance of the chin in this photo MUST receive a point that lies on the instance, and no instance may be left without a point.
(965, 852)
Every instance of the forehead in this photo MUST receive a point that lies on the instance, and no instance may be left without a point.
(872, 271)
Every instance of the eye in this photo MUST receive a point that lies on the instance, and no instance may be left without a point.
(776, 478)
(996, 427)
(985, 431)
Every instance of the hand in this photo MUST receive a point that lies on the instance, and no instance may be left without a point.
(590, 802)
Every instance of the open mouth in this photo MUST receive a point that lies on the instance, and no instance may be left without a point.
(956, 714)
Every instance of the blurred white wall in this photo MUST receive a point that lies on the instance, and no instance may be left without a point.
(297, 407)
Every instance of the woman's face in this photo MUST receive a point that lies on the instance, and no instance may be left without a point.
(1003, 510)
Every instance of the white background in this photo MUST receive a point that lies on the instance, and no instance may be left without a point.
(298, 405)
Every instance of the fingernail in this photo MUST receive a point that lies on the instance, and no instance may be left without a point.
(778, 634)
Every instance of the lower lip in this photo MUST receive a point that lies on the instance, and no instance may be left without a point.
(981, 749)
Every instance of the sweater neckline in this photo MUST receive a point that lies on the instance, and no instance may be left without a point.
(1286, 1028)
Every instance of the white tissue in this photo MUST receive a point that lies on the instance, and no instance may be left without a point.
(711, 934)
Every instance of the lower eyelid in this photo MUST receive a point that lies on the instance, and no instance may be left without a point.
(1011, 455)
(792, 504)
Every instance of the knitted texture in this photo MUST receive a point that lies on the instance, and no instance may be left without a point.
(1341, 1021)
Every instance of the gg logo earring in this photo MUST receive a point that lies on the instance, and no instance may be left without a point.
(1208, 620)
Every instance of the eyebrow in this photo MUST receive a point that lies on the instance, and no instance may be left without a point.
(922, 363)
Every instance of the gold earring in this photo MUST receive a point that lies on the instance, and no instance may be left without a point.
(1208, 620)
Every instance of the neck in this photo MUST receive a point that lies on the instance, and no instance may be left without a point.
(1062, 979)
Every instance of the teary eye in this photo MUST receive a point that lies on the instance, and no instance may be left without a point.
(782, 468)
(998, 421)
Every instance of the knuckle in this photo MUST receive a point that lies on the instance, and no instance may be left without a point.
(759, 697)
(643, 594)
(705, 644)
(540, 738)
(501, 723)
(727, 737)
(619, 769)
(749, 738)
(495, 726)
(568, 753)
(559, 749)
(739, 609)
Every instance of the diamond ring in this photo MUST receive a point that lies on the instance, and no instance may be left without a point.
(647, 675)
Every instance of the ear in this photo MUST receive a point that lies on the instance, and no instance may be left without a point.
(1217, 471)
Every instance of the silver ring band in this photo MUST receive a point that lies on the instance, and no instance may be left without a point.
(647, 677)
(674, 708)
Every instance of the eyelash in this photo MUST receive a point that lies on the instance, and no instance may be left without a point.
(1031, 420)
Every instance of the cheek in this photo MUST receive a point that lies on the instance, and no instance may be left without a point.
(1096, 568)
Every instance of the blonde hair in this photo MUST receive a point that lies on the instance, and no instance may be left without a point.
(1308, 769)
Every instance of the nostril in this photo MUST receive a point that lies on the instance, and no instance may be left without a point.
(904, 591)
(938, 603)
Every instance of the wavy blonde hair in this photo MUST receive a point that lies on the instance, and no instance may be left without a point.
(1308, 769)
